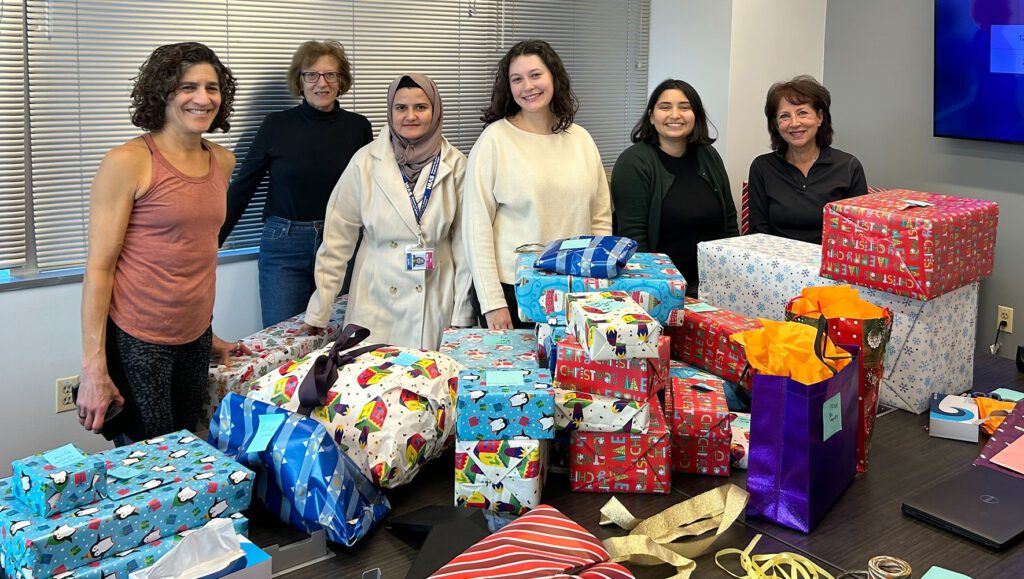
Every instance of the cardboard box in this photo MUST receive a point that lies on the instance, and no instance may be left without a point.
(954, 417)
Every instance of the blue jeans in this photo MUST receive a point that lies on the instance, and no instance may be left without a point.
(287, 256)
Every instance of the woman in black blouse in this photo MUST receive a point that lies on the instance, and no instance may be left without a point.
(790, 186)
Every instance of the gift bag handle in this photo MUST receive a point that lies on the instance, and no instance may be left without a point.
(820, 343)
(313, 389)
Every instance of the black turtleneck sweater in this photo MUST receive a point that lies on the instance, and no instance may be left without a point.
(305, 151)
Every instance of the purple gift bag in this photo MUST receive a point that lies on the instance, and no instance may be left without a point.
(803, 446)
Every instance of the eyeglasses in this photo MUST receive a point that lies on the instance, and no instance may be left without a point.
(313, 77)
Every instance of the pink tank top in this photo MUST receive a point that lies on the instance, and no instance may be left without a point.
(166, 274)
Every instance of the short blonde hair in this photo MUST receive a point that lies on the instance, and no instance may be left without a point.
(308, 53)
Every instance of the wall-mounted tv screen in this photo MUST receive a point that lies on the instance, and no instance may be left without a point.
(979, 69)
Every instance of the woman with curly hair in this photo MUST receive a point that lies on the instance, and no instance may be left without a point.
(156, 205)
(305, 149)
(533, 175)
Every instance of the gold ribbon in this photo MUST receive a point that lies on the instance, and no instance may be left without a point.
(651, 541)
(772, 566)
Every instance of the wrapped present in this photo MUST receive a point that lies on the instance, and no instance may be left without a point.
(596, 413)
(651, 279)
(301, 474)
(271, 347)
(121, 564)
(156, 487)
(631, 379)
(390, 409)
(700, 426)
(622, 463)
(505, 404)
(548, 336)
(59, 480)
(737, 398)
(500, 475)
(609, 325)
(587, 255)
(739, 450)
(703, 341)
(931, 349)
(909, 243)
(497, 349)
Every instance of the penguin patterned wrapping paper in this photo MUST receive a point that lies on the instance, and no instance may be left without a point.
(157, 488)
(497, 349)
(610, 325)
(651, 279)
(505, 404)
(391, 410)
(59, 480)
(500, 475)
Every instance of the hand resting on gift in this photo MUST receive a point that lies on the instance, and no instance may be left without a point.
(223, 350)
(499, 319)
(308, 330)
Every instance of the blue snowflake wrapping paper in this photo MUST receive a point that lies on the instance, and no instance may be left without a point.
(505, 404)
(302, 476)
(931, 350)
(483, 348)
(651, 279)
(156, 487)
(47, 488)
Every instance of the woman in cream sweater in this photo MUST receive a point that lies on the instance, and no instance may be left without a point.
(533, 175)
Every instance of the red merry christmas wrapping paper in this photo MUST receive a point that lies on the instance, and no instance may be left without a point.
(703, 341)
(629, 379)
(701, 429)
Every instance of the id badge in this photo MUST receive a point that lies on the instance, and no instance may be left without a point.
(419, 258)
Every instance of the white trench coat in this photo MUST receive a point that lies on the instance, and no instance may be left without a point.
(400, 307)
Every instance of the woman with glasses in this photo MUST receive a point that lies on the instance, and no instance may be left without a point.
(305, 149)
(403, 194)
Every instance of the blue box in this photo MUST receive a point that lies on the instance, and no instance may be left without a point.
(651, 279)
(505, 404)
(59, 480)
(498, 349)
(156, 488)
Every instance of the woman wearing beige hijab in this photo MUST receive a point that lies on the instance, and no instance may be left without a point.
(403, 191)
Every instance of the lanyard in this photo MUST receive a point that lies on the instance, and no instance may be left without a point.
(419, 209)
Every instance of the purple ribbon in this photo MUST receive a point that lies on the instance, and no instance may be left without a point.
(317, 384)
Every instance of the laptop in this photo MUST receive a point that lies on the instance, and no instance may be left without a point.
(979, 503)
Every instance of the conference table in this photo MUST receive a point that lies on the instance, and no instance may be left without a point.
(865, 522)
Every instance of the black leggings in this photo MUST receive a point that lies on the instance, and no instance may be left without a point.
(164, 387)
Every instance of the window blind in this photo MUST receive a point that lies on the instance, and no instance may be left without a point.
(12, 136)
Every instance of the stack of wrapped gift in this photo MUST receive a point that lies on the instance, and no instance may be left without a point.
(492, 349)
(615, 361)
(931, 350)
(505, 420)
(271, 347)
(700, 422)
(67, 514)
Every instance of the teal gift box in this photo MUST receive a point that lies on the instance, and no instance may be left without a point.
(156, 488)
(505, 404)
(59, 480)
(497, 349)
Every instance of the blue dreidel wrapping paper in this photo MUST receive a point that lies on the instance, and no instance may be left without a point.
(651, 279)
(59, 480)
(498, 349)
(156, 487)
(505, 404)
(301, 475)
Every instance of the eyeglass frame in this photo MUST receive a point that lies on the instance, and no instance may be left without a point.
(335, 73)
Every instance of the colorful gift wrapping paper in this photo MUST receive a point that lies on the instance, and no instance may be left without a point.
(301, 474)
(505, 404)
(651, 279)
(500, 475)
(596, 413)
(910, 243)
(622, 463)
(609, 325)
(931, 349)
(271, 347)
(498, 349)
(631, 379)
(157, 487)
(548, 336)
(390, 410)
(740, 447)
(587, 255)
(59, 480)
(701, 428)
(703, 341)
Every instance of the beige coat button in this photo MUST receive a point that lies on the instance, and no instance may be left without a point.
(419, 289)
(392, 290)
(393, 244)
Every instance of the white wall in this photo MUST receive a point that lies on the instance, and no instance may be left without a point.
(41, 341)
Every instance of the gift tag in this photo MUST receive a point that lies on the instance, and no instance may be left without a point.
(700, 308)
(419, 258)
(124, 472)
(269, 424)
(1009, 395)
(498, 340)
(574, 244)
(504, 378)
(832, 416)
(63, 456)
(405, 359)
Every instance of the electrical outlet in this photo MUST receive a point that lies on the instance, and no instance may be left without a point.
(64, 400)
(1005, 314)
